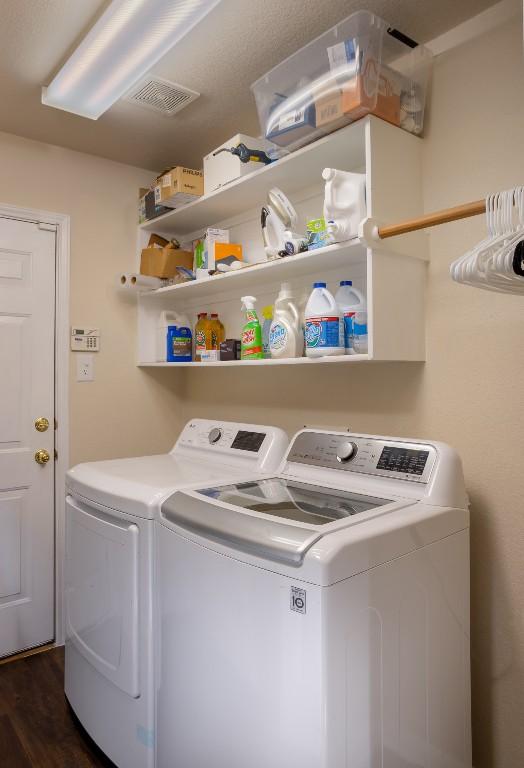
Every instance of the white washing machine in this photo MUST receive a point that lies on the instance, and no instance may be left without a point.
(110, 511)
(325, 622)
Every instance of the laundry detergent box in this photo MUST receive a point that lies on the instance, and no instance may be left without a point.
(179, 186)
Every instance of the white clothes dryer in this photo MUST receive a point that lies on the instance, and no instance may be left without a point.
(325, 623)
(110, 510)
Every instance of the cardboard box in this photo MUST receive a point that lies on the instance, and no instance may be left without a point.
(230, 349)
(152, 208)
(163, 262)
(204, 248)
(352, 99)
(289, 126)
(178, 187)
(227, 253)
(223, 168)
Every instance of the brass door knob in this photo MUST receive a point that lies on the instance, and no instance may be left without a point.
(42, 456)
(42, 424)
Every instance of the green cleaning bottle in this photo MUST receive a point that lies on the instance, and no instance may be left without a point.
(251, 340)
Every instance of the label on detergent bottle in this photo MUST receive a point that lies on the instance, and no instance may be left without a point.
(249, 349)
(200, 341)
(277, 336)
(348, 329)
(322, 332)
(182, 346)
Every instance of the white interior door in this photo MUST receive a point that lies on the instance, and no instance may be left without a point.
(27, 321)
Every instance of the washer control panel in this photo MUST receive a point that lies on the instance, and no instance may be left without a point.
(369, 455)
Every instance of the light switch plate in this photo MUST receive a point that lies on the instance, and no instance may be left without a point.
(85, 368)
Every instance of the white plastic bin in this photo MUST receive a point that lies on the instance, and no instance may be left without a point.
(358, 67)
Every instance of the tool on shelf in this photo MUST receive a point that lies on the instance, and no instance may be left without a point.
(245, 154)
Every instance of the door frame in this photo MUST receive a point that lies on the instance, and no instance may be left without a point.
(62, 259)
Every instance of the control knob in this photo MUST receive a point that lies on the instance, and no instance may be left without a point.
(346, 452)
(214, 435)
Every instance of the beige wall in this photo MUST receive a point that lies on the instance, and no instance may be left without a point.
(125, 411)
(469, 393)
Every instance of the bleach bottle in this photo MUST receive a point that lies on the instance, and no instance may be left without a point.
(285, 334)
(351, 303)
(322, 329)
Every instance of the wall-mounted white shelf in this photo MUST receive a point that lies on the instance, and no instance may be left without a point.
(345, 148)
(392, 277)
(266, 273)
(256, 363)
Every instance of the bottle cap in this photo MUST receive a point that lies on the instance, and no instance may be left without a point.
(319, 285)
(214, 314)
(202, 314)
(267, 312)
(346, 282)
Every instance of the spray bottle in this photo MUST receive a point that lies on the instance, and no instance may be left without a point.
(251, 339)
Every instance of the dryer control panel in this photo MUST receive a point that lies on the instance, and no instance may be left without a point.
(261, 447)
(397, 459)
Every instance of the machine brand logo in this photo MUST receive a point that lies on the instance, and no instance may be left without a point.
(298, 600)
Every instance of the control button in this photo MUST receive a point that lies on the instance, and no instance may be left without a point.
(214, 435)
(346, 452)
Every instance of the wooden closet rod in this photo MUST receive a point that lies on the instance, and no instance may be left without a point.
(433, 219)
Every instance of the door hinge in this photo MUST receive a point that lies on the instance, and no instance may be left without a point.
(47, 227)
(56, 455)
(55, 424)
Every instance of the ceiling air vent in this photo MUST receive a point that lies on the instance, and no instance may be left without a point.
(161, 95)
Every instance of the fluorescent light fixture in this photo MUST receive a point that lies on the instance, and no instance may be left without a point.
(125, 43)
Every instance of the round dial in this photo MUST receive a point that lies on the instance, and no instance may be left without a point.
(346, 451)
(214, 435)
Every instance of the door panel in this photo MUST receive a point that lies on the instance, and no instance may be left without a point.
(102, 592)
(11, 404)
(10, 560)
(27, 286)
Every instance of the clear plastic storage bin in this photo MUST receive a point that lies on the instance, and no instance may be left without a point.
(358, 67)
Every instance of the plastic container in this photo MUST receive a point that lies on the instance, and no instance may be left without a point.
(286, 336)
(358, 67)
(267, 314)
(251, 339)
(218, 332)
(165, 320)
(179, 344)
(322, 331)
(202, 335)
(344, 203)
(350, 301)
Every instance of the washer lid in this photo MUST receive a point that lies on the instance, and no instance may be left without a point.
(293, 500)
(274, 518)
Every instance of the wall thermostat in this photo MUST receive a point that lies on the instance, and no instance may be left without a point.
(85, 339)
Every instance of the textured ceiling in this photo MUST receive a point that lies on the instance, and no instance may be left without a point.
(237, 43)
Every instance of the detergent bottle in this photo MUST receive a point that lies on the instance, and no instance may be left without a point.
(285, 335)
(218, 333)
(251, 338)
(267, 314)
(351, 303)
(167, 319)
(202, 336)
(344, 203)
(322, 330)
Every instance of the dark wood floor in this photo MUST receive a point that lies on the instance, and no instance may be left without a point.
(37, 727)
